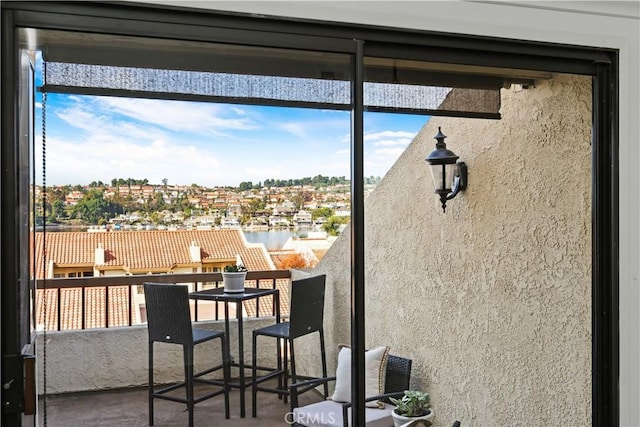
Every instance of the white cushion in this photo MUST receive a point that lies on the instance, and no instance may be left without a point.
(329, 414)
(375, 366)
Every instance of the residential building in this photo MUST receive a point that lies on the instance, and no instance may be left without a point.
(302, 218)
(73, 198)
(130, 253)
(518, 305)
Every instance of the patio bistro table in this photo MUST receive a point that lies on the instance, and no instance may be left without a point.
(218, 294)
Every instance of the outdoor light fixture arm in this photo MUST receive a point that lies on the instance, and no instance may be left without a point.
(459, 184)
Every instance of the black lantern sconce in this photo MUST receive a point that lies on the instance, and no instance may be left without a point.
(449, 175)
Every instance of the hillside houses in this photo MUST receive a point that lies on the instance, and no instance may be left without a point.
(193, 206)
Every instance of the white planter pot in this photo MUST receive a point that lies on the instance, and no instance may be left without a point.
(399, 420)
(234, 282)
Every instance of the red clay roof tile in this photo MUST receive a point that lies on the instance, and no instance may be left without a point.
(136, 250)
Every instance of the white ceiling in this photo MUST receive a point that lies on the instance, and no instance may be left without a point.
(630, 9)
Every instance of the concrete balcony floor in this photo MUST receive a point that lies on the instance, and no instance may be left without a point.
(129, 407)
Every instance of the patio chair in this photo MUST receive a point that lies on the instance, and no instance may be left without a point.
(337, 414)
(169, 321)
(306, 316)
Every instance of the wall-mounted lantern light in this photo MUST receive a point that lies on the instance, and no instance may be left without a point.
(449, 175)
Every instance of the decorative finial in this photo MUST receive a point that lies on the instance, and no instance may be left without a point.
(440, 139)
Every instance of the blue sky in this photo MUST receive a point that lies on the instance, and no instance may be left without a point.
(91, 138)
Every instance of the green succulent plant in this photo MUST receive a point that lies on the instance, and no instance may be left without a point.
(413, 404)
(234, 268)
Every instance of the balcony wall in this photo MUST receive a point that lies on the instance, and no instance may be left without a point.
(492, 299)
(98, 359)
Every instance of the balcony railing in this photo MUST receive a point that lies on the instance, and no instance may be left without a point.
(109, 293)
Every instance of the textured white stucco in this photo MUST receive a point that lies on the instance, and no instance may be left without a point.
(491, 299)
(97, 359)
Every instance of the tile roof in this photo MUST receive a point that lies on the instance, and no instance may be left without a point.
(71, 308)
(137, 251)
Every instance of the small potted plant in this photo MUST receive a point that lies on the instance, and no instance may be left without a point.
(233, 276)
(414, 405)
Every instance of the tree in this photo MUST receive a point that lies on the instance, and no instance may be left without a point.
(292, 261)
(256, 205)
(157, 204)
(155, 217)
(317, 181)
(57, 210)
(245, 185)
(332, 226)
(94, 207)
(298, 200)
(321, 212)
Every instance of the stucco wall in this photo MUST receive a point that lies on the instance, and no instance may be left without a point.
(492, 299)
(97, 359)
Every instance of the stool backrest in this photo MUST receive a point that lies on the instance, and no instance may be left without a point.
(306, 312)
(168, 315)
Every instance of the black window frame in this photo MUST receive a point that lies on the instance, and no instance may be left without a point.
(150, 20)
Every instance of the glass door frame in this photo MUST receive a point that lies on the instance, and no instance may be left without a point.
(357, 40)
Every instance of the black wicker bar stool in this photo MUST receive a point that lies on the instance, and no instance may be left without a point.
(306, 316)
(169, 321)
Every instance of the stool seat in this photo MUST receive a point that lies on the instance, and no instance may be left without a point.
(278, 330)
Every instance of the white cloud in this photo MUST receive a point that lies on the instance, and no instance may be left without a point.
(256, 174)
(103, 160)
(297, 129)
(388, 153)
(382, 150)
(339, 168)
(315, 128)
(389, 138)
(98, 124)
(147, 119)
(391, 142)
(189, 116)
(387, 147)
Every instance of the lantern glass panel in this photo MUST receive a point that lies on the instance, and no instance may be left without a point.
(443, 176)
(451, 171)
